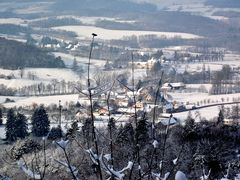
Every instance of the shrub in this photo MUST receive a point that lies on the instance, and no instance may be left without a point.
(55, 133)
(24, 147)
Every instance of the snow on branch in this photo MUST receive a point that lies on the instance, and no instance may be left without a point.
(158, 176)
(155, 144)
(180, 176)
(93, 156)
(73, 168)
(205, 176)
(108, 157)
(175, 161)
(62, 144)
(118, 175)
(27, 171)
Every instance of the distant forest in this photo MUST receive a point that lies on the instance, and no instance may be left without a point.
(97, 8)
(145, 16)
(14, 29)
(217, 33)
(14, 55)
(224, 3)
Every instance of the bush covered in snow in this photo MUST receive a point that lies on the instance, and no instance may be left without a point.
(26, 146)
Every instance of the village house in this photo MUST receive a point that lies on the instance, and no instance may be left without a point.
(122, 100)
(139, 105)
(168, 108)
(145, 65)
(103, 111)
(167, 121)
(150, 97)
(231, 122)
(173, 86)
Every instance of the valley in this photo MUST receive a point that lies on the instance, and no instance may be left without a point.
(148, 82)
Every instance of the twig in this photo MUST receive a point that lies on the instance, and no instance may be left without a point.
(91, 109)
(154, 109)
(165, 141)
(110, 127)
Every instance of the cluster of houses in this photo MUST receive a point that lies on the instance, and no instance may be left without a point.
(122, 106)
(61, 45)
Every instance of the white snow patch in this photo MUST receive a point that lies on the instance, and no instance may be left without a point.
(62, 144)
(27, 171)
(155, 144)
(16, 21)
(44, 75)
(45, 100)
(107, 34)
(180, 176)
(175, 161)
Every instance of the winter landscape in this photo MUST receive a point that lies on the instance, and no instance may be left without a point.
(121, 89)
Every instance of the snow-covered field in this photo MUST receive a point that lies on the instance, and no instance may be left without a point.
(3, 98)
(193, 6)
(86, 20)
(194, 98)
(107, 34)
(68, 60)
(44, 75)
(205, 113)
(197, 67)
(17, 21)
(46, 100)
(32, 7)
(230, 59)
(202, 99)
(206, 87)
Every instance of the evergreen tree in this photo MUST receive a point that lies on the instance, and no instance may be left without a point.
(21, 126)
(141, 134)
(125, 135)
(78, 105)
(1, 121)
(55, 133)
(209, 74)
(30, 40)
(189, 133)
(220, 118)
(107, 66)
(158, 54)
(87, 131)
(123, 79)
(235, 112)
(11, 126)
(189, 122)
(112, 125)
(139, 84)
(156, 68)
(204, 73)
(75, 65)
(176, 56)
(72, 132)
(40, 122)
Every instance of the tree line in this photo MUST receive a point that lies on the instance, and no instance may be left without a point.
(17, 124)
(55, 87)
(195, 148)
